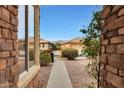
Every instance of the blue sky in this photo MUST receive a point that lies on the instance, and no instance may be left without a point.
(57, 22)
(64, 22)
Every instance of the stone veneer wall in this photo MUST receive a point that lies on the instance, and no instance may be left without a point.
(8, 46)
(112, 47)
(36, 81)
(9, 67)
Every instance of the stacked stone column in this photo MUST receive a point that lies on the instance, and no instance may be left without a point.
(112, 47)
(8, 46)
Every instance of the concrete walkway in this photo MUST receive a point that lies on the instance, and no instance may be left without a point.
(59, 77)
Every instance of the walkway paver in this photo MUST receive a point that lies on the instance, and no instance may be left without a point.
(59, 77)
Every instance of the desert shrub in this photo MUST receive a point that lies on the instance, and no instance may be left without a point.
(31, 54)
(45, 58)
(70, 53)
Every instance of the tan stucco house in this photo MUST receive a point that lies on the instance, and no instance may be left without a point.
(73, 43)
(44, 44)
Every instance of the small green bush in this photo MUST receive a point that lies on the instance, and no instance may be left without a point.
(70, 53)
(31, 54)
(45, 58)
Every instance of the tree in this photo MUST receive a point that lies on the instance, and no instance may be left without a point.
(55, 46)
(91, 43)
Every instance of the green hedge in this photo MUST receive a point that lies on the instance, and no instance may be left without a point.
(70, 53)
(45, 58)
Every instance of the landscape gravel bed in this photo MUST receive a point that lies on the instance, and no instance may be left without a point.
(77, 73)
(45, 73)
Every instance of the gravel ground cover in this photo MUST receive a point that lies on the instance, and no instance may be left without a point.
(45, 73)
(77, 73)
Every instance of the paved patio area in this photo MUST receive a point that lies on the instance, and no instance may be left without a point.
(59, 77)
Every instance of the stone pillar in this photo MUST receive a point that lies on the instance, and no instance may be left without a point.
(112, 47)
(8, 46)
(36, 32)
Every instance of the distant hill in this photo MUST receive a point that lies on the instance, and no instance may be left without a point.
(59, 41)
(64, 41)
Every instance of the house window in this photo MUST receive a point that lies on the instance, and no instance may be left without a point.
(21, 39)
(26, 37)
(31, 34)
(43, 45)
